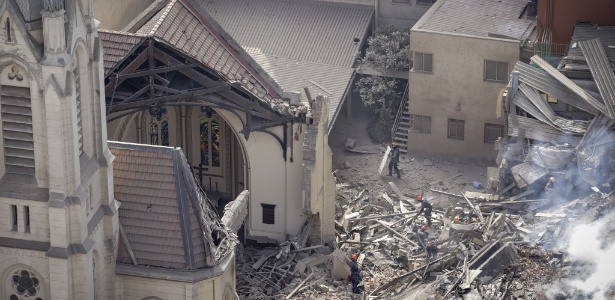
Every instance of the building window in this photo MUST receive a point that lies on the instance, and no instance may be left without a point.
(268, 213)
(423, 62)
(210, 137)
(421, 124)
(9, 37)
(159, 126)
(25, 284)
(496, 70)
(456, 129)
(425, 2)
(26, 218)
(77, 79)
(401, 1)
(493, 132)
(14, 217)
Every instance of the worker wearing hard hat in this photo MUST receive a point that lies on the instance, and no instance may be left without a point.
(355, 274)
(426, 207)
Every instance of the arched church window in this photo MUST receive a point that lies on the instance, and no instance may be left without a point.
(159, 126)
(25, 285)
(210, 137)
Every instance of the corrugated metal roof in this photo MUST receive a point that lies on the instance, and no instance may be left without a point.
(601, 70)
(478, 18)
(294, 75)
(116, 46)
(302, 30)
(158, 194)
(583, 32)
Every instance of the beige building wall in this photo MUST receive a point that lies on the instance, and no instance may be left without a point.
(116, 14)
(457, 89)
(323, 182)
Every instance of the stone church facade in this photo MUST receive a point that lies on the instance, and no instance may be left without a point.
(59, 218)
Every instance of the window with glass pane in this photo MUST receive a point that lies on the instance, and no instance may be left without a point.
(421, 124)
(423, 62)
(159, 126)
(210, 137)
(456, 129)
(496, 70)
(425, 2)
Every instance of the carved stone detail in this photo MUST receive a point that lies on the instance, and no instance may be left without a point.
(53, 5)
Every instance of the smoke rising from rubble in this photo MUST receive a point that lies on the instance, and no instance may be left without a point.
(591, 246)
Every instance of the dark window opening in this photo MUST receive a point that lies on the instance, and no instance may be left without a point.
(9, 38)
(456, 129)
(421, 124)
(26, 218)
(268, 213)
(493, 132)
(14, 217)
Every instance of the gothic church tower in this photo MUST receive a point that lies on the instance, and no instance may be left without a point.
(58, 217)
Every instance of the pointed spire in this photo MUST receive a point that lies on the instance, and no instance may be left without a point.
(54, 5)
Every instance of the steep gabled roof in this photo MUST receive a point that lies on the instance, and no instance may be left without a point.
(167, 219)
(117, 46)
(186, 27)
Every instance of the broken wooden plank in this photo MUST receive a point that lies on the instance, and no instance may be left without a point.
(306, 249)
(127, 245)
(445, 193)
(383, 162)
(299, 286)
(517, 197)
(381, 216)
(550, 215)
(399, 235)
(478, 212)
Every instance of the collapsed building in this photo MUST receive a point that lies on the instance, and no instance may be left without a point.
(560, 121)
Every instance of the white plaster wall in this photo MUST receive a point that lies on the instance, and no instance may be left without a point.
(456, 89)
(272, 181)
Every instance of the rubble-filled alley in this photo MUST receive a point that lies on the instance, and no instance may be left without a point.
(538, 224)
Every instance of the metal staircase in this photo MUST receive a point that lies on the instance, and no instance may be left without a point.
(402, 124)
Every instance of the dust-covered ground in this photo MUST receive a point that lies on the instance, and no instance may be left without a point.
(419, 171)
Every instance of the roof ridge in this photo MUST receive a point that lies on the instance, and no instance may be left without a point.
(165, 12)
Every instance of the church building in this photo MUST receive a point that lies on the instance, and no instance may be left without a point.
(210, 152)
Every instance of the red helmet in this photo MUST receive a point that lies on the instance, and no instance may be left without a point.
(419, 198)
(425, 228)
(354, 257)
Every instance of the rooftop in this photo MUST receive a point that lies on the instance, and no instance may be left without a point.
(481, 18)
(166, 221)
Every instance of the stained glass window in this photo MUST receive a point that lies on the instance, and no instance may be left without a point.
(204, 130)
(159, 126)
(153, 132)
(24, 284)
(215, 143)
(165, 133)
(210, 137)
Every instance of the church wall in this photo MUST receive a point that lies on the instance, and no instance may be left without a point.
(272, 181)
(17, 259)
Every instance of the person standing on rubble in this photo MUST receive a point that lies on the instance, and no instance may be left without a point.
(355, 274)
(423, 237)
(394, 160)
(426, 207)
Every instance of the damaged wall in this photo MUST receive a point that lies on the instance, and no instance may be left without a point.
(319, 183)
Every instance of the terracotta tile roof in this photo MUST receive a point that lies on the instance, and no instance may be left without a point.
(116, 46)
(478, 18)
(167, 219)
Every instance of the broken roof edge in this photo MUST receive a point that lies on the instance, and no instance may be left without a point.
(191, 276)
(331, 122)
(197, 9)
(144, 16)
(491, 38)
(143, 147)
